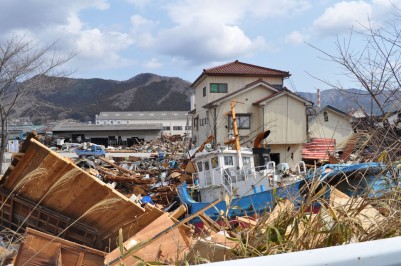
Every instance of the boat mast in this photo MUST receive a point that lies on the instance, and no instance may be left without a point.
(236, 134)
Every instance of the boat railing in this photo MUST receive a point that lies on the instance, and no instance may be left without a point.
(227, 180)
(246, 172)
(270, 168)
(231, 175)
(301, 167)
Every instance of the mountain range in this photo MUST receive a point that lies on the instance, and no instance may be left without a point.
(82, 99)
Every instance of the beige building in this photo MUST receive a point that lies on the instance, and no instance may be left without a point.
(330, 123)
(262, 104)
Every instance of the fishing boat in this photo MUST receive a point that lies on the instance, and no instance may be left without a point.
(356, 179)
(230, 175)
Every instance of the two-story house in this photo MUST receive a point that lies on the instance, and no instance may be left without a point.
(262, 104)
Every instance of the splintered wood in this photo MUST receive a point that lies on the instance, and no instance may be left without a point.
(141, 182)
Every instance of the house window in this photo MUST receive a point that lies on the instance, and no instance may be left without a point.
(188, 127)
(204, 91)
(326, 116)
(177, 127)
(196, 120)
(218, 87)
(166, 128)
(243, 121)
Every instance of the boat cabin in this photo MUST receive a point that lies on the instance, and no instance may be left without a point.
(226, 171)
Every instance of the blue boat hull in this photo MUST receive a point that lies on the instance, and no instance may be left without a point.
(257, 203)
(340, 171)
(368, 179)
(265, 201)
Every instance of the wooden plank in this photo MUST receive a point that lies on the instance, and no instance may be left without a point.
(43, 249)
(246, 221)
(135, 224)
(75, 198)
(282, 208)
(168, 247)
(30, 162)
(122, 169)
(80, 259)
(209, 223)
(177, 213)
(79, 187)
(38, 187)
(112, 259)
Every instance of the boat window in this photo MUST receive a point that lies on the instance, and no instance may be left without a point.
(246, 160)
(228, 160)
(215, 162)
(200, 168)
(207, 168)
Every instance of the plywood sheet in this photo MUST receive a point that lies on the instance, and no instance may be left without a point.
(68, 190)
(42, 249)
(167, 248)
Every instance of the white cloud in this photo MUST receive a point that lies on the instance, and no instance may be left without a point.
(96, 44)
(96, 47)
(153, 63)
(212, 30)
(211, 42)
(387, 3)
(232, 11)
(343, 16)
(295, 38)
(139, 3)
(38, 15)
(141, 24)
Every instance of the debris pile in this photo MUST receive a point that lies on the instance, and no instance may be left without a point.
(174, 144)
(137, 177)
(99, 211)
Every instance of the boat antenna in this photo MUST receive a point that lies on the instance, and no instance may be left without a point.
(236, 134)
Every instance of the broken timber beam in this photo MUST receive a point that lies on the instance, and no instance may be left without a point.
(122, 169)
(160, 234)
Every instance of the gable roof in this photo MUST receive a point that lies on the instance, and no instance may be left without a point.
(254, 84)
(358, 113)
(280, 93)
(238, 68)
(329, 107)
(314, 112)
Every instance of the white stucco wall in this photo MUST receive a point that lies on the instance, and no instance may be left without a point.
(337, 127)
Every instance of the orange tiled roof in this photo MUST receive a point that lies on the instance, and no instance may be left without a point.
(244, 69)
(238, 67)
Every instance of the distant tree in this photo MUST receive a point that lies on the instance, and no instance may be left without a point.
(24, 68)
(376, 65)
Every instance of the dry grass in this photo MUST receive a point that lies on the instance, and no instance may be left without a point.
(339, 221)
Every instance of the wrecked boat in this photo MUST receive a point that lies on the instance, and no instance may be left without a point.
(230, 175)
(371, 178)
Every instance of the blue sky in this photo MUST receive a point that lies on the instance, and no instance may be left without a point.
(119, 39)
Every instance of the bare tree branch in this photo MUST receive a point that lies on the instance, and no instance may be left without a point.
(25, 67)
